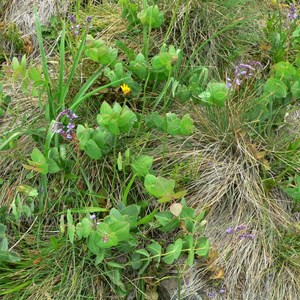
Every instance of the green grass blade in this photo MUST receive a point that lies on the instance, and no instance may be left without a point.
(77, 103)
(74, 67)
(88, 84)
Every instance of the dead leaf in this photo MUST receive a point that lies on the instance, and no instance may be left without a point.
(219, 274)
(176, 209)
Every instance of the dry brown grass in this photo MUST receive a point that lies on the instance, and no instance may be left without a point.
(225, 178)
(22, 13)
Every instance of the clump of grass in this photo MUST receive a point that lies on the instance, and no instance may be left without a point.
(217, 33)
(224, 174)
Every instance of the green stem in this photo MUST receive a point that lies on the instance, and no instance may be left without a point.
(44, 192)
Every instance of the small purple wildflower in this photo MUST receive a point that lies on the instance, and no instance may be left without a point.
(238, 82)
(243, 71)
(241, 227)
(228, 82)
(246, 236)
(89, 19)
(72, 18)
(70, 126)
(59, 128)
(211, 294)
(230, 230)
(292, 15)
(93, 217)
(222, 291)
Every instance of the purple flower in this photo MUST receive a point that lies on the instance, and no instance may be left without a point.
(72, 18)
(70, 126)
(230, 230)
(241, 227)
(60, 131)
(59, 128)
(222, 291)
(292, 15)
(246, 236)
(89, 19)
(211, 294)
(243, 71)
(228, 82)
(238, 82)
(73, 116)
(93, 217)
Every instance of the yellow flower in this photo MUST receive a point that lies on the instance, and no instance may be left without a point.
(125, 89)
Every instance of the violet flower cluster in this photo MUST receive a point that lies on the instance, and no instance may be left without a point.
(59, 128)
(242, 72)
(241, 236)
(292, 15)
(76, 27)
(222, 291)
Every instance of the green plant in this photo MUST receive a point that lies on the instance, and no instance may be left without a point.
(121, 233)
(5, 254)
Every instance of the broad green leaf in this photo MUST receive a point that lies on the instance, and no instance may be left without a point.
(141, 165)
(275, 88)
(164, 217)
(120, 230)
(92, 150)
(187, 212)
(202, 246)
(103, 237)
(105, 109)
(218, 92)
(186, 125)
(151, 16)
(285, 70)
(139, 66)
(173, 124)
(155, 249)
(147, 219)
(189, 245)
(173, 252)
(172, 225)
(52, 166)
(142, 252)
(127, 119)
(86, 227)
(154, 120)
(183, 93)
(159, 186)
(37, 156)
(83, 135)
(295, 89)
